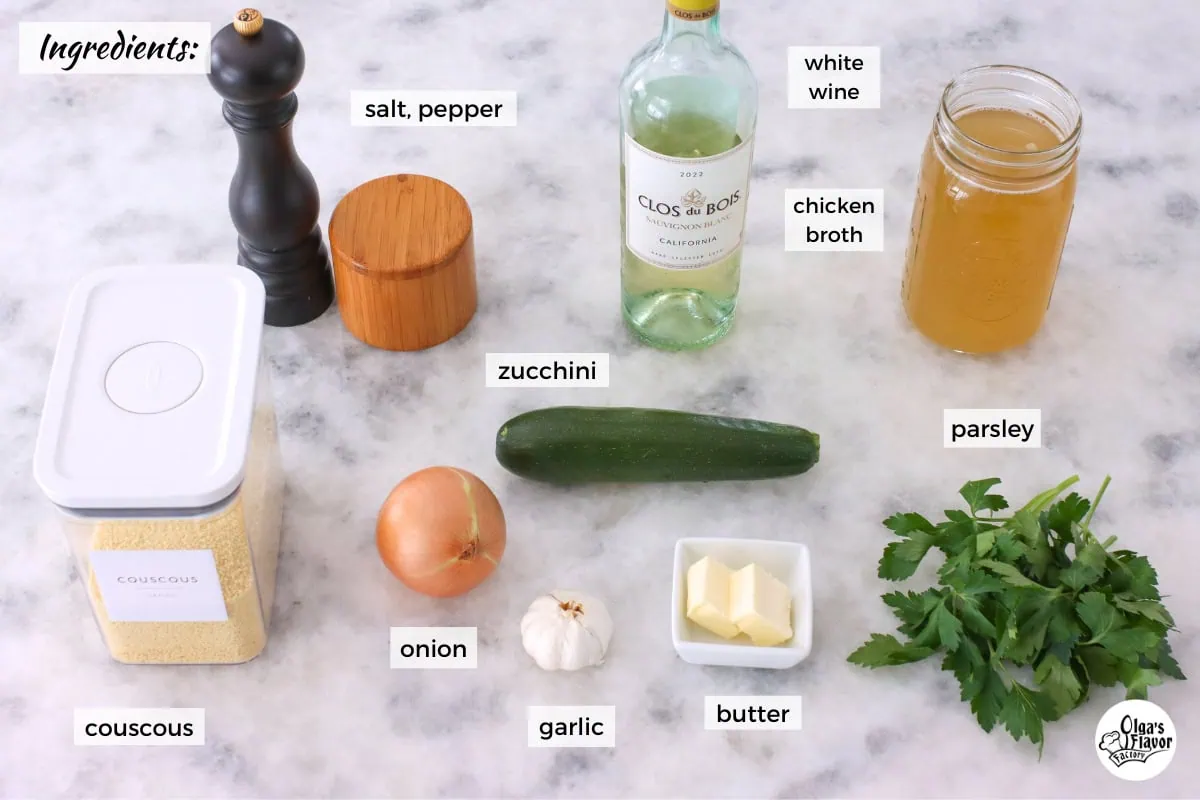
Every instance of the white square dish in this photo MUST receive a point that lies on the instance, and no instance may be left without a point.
(787, 561)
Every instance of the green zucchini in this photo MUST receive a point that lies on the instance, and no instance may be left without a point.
(572, 444)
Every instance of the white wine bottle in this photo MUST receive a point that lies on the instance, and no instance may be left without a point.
(689, 103)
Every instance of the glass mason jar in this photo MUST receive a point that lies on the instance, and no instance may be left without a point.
(994, 201)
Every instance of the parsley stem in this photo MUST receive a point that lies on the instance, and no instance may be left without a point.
(1045, 498)
(1096, 503)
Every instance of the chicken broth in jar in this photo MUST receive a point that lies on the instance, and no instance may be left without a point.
(994, 201)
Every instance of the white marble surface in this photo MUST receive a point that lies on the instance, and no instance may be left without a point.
(101, 171)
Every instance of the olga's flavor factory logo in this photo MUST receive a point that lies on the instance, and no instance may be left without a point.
(1135, 740)
(692, 204)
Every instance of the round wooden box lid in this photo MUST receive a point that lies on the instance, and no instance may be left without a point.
(404, 261)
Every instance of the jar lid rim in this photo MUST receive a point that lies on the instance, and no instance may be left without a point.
(1070, 138)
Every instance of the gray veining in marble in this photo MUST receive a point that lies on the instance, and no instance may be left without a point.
(98, 171)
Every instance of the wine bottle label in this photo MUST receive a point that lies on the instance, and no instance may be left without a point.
(685, 213)
(693, 11)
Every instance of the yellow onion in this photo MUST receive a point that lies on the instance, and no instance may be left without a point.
(441, 531)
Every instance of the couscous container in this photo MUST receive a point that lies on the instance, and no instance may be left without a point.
(159, 451)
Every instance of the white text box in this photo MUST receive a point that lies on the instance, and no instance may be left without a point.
(833, 220)
(572, 726)
(834, 77)
(408, 109)
(992, 427)
(748, 713)
(561, 370)
(139, 727)
(435, 648)
(115, 48)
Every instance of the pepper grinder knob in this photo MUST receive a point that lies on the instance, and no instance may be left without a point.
(273, 201)
(248, 22)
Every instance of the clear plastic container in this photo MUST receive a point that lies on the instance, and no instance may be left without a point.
(158, 447)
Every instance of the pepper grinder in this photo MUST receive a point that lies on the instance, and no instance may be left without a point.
(273, 200)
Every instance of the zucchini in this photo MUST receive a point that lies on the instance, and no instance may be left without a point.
(573, 444)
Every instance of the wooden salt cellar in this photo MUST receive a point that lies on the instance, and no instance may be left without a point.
(404, 262)
(256, 65)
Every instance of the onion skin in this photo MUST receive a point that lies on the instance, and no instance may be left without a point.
(441, 532)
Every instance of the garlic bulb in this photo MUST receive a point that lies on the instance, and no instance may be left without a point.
(566, 630)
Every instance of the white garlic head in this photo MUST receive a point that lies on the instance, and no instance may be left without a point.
(566, 630)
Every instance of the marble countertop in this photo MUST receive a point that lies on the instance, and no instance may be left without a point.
(99, 171)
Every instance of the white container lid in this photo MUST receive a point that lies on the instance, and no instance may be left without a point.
(151, 395)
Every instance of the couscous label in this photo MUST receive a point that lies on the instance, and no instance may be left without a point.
(159, 585)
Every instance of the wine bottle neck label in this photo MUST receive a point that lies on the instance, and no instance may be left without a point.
(685, 213)
(694, 11)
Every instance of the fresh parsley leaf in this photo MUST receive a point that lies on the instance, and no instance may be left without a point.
(974, 619)
(977, 497)
(984, 542)
(1087, 568)
(992, 696)
(1134, 575)
(941, 629)
(1097, 613)
(1063, 652)
(906, 524)
(1150, 609)
(1006, 628)
(886, 651)
(1023, 713)
(1058, 546)
(1024, 524)
(901, 559)
(981, 583)
(967, 664)
(1059, 682)
(957, 569)
(991, 502)
(1064, 629)
(1009, 547)
(1031, 633)
(1145, 577)
(912, 608)
(1137, 680)
(1129, 643)
(1008, 573)
(958, 536)
(1166, 662)
(1066, 512)
(1028, 529)
(949, 627)
(1100, 665)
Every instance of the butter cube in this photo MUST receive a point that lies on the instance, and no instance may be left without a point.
(708, 597)
(760, 605)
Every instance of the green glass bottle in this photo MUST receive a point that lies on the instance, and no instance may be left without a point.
(689, 104)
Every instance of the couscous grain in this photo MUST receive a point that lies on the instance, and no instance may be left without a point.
(244, 540)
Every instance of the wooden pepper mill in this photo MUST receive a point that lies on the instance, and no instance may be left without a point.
(256, 65)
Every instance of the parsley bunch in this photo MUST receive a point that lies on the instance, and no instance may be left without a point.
(1034, 594)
